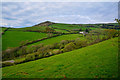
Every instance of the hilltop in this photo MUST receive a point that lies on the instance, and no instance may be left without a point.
(46, 23)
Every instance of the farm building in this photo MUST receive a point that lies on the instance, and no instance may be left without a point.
(83, 32)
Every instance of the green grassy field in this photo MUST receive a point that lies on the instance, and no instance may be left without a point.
(96, 61)
(33, 28)
(67, 26)
(59, 38)
(14, 38)
(64, 31)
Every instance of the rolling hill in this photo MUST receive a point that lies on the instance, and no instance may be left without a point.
(95, 61)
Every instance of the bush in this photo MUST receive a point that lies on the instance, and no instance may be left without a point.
(111, 33)
(38, 55)
(9, 53)
(80, 43)
(23, 42)
(56, 51)
(64, 42)
(49, 35)
(19, 61)
(4, 64)
(30, 57)
(56, 46)
(69, 47)
(45, 49)
(22, 51)
(32, 49)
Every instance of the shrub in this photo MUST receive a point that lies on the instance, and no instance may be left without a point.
(39, 46)
(32, 49)
(56, 51)
(80, 43)
(49, 34)
(56, 46)
(69, 47)
(23, 42)
(9, 53)
(19, 61)
(30, 57)
(4, 64)
(38, 55)
(61, 46)
(45, 49)
(22, 51)
(111, 33)
(64, 42)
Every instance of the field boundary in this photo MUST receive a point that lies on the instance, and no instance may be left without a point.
(35, 41)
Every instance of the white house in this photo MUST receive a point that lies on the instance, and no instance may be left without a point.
(83, 32)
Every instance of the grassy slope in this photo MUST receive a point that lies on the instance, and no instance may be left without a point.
(99, 60)
(59, 38)
(13, 38)
(64, 31)
(67, 26)
(29, 28)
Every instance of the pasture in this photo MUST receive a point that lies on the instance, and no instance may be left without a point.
(59, 38)
(14, 38)
(96, 61)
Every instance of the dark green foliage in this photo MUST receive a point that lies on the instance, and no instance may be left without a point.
(56, 51)
(9, 53)
(49, 29)
(80, 43)
(87, 30)
(49, 34)
(22, 51)
(30, 57)
(69, 47)
(64, 42)
(22, 43)
(111, 33)
(32, 49)
(38, 55)
(56, 46)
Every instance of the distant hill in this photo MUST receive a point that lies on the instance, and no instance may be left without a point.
(46, 23)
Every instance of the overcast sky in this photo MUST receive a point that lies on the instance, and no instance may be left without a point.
(21, 14)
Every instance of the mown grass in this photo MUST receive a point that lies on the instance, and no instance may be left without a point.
(14, 38)
(58, 39)
(96, 61)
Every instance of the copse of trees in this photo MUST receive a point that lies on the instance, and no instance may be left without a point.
(69, 47)
(30, 57)
(49, 29)
(111, 33)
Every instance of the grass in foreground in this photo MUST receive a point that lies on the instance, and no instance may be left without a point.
(98, 60)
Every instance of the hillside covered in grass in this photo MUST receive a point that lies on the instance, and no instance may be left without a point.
(96, 61)
(15, 38)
